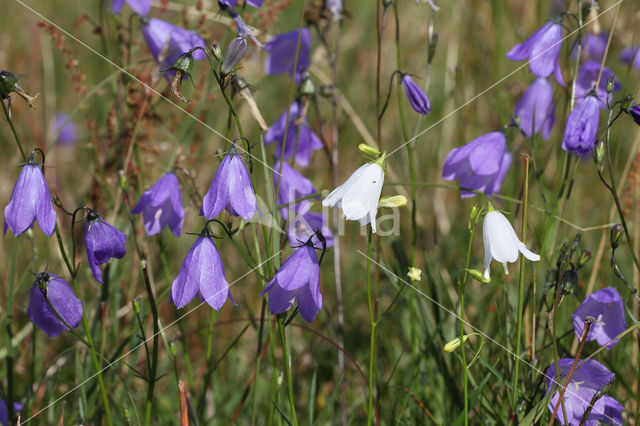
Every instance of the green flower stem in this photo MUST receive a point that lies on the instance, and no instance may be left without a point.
(10, 348)
(15, 136)
(286, 355)
(373, 323)
(154, 354)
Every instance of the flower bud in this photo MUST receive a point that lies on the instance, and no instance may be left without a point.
(478, 276)
(610, 82)
(216, 52)
(393, 201)
(173, 348)
(368, 149)
(454, 344)
(414, 274)
(584, 258)
(617, 232)
(474, 215)
(307, 87)
(8, 83)
(235, 52)
(136, 305)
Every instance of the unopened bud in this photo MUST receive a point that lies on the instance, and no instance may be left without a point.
(610, 85)
(123, 181)
(216, 52)
(598, 152)
(307, 87)
(235, 52)
(136, 305)
(368, 149)
(584, 258)
(414, 274)
(617, 232)
(454, 344)
(393, 201)
(474, 215)
(478, 276)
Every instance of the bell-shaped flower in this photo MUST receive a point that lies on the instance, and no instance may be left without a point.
(588, 380)
(235, 51)
(282, 53)
(593, 46)
(292, 187)
(417, 98)
(634, 112)
(631, 55)
(607, 308)
(51, 299)
(542, 49)
(501, 242)
(586, 80)
(305, 226)
(358, 197)
(582, 125)
(231, 188)
(201, 273)
(167, 41)
(297, 280)
(103, 242)
(66, 129)
(301, 141)
(161, 205)
(232, 3)
(141, 7)
(4, 411)
(30, 201)
(482, 164)
(536, 110)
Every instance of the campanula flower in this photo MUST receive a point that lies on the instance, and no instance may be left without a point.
(305, 225)
(582, 125)
(542, 49)
(235, 51)
(607, 308)
(417, 98)
(201, 273)
(30, 201)
(67, 135)
(297, 280)
(586, 80)
(103, 242)
(634, 112)
(4, 411)
(282, 53)
(482, 164)
(141, 7)
(536, 104)
(231, 188)
(232, 3)
(501, 242)
(50, 291)
(593, 46)
(301, 141)
(292, 187)
(630, 54)
(161, 205)
(589, 379)
(167, 41)
(358, 197)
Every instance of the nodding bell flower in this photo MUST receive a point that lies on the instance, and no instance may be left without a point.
(4, 411)
(417, 98)
(631, 54)
(593, 46)
(103, 242)
(282, 53)
(582, 125)
(66, 129)
(235, 51)
(292, 187)
(501, 242)
(50, 291)
(161, 205)
(232, 3)
(30, 201)
(607, 308)
(536, 104)
(297, 280)
(141, 7)
(586, 80)
(231, 188)
(201, 273)
(358, 197)
(634, 112)
(305, 226)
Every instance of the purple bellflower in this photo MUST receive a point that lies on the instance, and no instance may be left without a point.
(607, 308)
(50, 291)
(68, 135)
(103, 242)
(292, 186)
(30, 201)
(232, 3)
(582, 125)
(586, 80)
(4, 411)
(141, 7)
(231, 188)
(201, 274)
(417, 98)
(630, 54)
(482, 164)
(587, 380)
(542, 49)
(298, 279)
(161, 205)
(282, 53)
(634, 112)
(301, 140)
(167, 41)
(536, 110)
(593, 46)
(305, 226)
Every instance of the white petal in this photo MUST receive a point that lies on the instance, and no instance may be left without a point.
(362, 197)
(500, 235)
(335, 197)
(528, 253)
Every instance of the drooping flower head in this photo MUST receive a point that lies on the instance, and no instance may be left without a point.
(593, 46)
(4, 411)
(282, 53)
(631, 54)
(542, 49)
(306, 225)
(50, 291)
(359, 195)
(292, 187)
(232, 3)
(417, 98)
(167, 41)
(161, 205)
(68, 133)
(301, 140)
(235, 51)
(634, 112)
(30, 201)
(501, 242)
(607, 308)
(141, 7)
(201, 273)
(588, 380)
(482, 164)
(297, 280)
(231, 188)
(582, 125)
(536, 110)
(586, 80)
(103, 242)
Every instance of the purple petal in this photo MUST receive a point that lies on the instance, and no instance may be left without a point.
(141, 7)
(62, 299)
(241, 195)
(536, 103)
(282, 52)
(217, 197)
(581, 128)
(545, 52)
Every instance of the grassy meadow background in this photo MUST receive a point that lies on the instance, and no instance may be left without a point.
(129, 137)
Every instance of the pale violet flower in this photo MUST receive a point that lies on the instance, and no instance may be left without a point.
(501, 242)
(358, 197)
